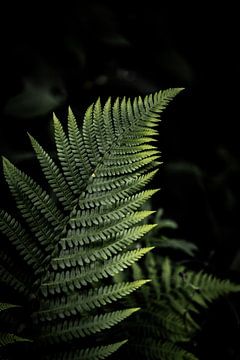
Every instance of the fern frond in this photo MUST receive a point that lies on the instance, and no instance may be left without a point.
(180, 294)
(160, 324)
(208, 286)
(100, 187)
(159, 350)
(197, 288)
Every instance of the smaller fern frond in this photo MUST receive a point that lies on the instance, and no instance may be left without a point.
(154, 349)
(207, 286)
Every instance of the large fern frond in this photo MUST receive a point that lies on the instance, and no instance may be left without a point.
(86, 229)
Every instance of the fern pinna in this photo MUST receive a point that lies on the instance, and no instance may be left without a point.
(83, 231)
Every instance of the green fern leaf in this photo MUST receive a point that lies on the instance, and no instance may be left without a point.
(207, 287)
(164, 351)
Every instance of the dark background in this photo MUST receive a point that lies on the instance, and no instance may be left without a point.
(59, 54)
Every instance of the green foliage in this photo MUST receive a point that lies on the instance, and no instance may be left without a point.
(156, 238)
(71, 238)
(153, 349)
(171, 303)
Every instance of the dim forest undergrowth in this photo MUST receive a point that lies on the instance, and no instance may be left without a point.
(83, 257)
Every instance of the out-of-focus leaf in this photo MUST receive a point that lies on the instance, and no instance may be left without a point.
(175, 244)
